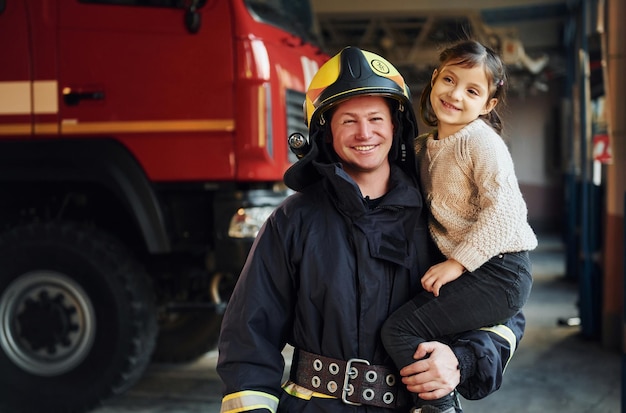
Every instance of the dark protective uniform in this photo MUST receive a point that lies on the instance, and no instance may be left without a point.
(323, 275)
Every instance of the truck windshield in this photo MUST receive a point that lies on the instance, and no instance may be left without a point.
(293, 16)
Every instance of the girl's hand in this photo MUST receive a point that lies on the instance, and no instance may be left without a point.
(440, 274)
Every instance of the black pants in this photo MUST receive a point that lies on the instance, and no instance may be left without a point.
(487, 296)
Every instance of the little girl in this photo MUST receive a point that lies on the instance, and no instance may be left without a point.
(478, 217)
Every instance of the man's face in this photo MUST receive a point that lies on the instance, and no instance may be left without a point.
(362, 132)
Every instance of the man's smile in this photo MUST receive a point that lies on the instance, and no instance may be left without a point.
(364, 148)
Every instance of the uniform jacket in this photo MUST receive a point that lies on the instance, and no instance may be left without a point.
(323, 275)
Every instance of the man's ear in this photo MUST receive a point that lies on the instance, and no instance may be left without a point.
(489, 106)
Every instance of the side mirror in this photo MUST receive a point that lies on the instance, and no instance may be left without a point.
(192, 21)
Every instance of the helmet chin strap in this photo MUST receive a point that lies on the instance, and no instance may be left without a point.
(402, 150)
(397, 153)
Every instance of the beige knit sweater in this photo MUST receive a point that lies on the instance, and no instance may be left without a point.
(476, 208)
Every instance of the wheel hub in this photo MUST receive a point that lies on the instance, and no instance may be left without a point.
(48, 323)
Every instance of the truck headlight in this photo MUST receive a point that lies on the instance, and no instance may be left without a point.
(247, 222)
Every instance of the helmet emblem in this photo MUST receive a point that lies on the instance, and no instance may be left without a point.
(380, 66)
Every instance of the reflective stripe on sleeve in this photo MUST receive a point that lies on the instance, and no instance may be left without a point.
(507, 334)
(303, 393)
(248, 400)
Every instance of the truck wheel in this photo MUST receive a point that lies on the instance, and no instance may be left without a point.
(77, 318)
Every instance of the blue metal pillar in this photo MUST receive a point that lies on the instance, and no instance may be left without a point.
(584, 279)
(571, 174)
(590, 276)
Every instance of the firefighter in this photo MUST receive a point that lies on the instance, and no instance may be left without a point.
(338, 257)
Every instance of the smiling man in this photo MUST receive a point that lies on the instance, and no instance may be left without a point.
(362, 134)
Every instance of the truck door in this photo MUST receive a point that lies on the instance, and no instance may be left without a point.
(16, 103)
(135, 73)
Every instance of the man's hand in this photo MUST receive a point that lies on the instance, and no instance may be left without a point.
(433, 377)
(440, 274)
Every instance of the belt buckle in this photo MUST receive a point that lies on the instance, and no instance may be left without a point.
(350, 374)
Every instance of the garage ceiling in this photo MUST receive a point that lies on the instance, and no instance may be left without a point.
(411, 33)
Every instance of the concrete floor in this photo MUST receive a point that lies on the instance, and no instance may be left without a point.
(554, 370)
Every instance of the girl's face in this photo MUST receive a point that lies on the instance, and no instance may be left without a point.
(459, 95)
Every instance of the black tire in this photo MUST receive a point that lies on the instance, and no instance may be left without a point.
(77, 318)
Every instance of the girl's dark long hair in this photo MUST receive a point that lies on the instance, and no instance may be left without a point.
(469, 53)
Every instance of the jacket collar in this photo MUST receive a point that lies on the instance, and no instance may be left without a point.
(347, 196)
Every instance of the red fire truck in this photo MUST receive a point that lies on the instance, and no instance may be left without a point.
(142, 144)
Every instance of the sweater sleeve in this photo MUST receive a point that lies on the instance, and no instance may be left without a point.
(250, 361)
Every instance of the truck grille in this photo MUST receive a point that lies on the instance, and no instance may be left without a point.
(295, 117)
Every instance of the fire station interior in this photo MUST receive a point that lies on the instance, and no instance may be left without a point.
(566, 61)
(558, 104)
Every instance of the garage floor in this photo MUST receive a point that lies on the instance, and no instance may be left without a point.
(555, 370)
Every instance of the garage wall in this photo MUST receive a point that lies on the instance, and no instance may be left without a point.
(532, 130)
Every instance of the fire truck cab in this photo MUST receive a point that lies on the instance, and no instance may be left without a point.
(142, 145)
